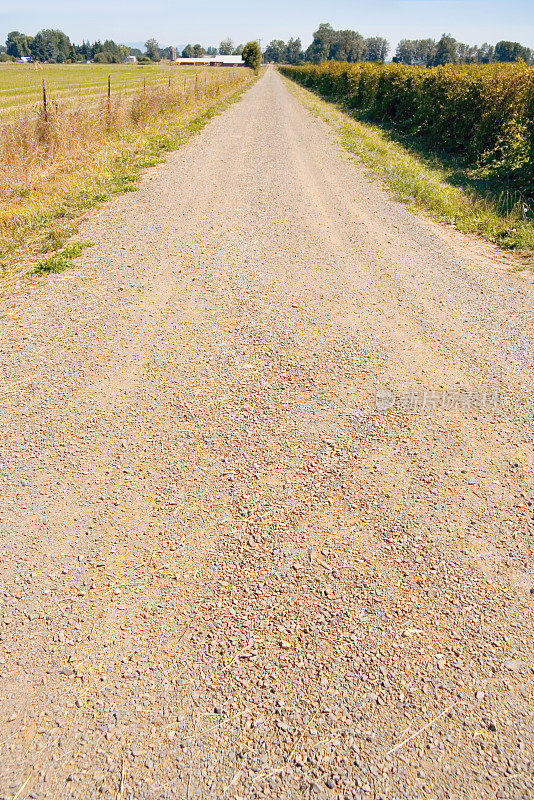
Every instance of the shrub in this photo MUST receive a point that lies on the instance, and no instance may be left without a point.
(469, 110)
(252, 55)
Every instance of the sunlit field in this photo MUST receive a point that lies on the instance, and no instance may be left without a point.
(21, 85)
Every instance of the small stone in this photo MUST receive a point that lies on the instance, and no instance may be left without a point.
(66, 671)
(492, 727)
(217, 710)
(285, 645)
(479, 695)
(315, 788)
(513, 664)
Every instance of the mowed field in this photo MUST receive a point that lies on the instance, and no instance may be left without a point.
(21, 84)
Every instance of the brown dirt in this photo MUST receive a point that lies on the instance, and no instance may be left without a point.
(226, 573)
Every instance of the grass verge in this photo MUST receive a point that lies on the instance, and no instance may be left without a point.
(40, 216)
(422, 182)
(62, 260)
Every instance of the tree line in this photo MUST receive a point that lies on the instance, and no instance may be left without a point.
(54, 46)
(347, 45)
(429, 53)
(328, 45)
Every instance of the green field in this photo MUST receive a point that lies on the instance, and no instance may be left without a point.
(21, 84)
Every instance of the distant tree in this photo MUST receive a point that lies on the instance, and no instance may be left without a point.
(319, 49)
(329, 44)
(486, 53)
(18, 44)
(53, 46)
(512, 51)
(109, 52)
(193, 51)
(281, 53)
(275, 51)
(252, 55)
(415, 51)
(446, 51)
(226, 47)
(152, 50)
(425, 50)
(211, 51)
(294, 54)
(347, 46)
(405, 53)
(376, 48)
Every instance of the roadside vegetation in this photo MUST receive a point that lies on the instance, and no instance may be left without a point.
(456, 141)
(60, 160)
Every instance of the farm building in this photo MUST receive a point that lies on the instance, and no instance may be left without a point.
(130, 60)
(212, 61)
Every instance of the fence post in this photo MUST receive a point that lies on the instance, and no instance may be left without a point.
(45, 111)
(144, 85)
(109, 95)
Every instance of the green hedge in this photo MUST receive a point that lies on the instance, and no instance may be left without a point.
(482, 112)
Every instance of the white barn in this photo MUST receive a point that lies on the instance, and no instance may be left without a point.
(212, 61)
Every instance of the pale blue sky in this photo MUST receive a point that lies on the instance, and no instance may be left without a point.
(208, 21)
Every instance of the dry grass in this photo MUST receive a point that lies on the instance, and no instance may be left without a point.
(21, 84)
(55, 165)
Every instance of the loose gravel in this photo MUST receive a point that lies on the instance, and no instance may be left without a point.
(225, 574)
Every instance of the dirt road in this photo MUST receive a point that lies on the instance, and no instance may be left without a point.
(225, 572)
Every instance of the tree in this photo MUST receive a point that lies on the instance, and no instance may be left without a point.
(485, 53)
(275, 51)
(152, 50)
(252, 55)
(376, 48)
(329, 44)
(109, 52)
(294, 54)
(319, 49)
(211, 51)
(347, 46)
(446, 51)
(53, 46)
(415, 51)
(18, 44)
(512, 51)
(226, 47)
(237, 51)
(405, 53)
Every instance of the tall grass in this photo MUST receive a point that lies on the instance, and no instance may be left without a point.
(53, 165)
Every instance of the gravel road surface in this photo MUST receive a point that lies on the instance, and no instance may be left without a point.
(227, 574)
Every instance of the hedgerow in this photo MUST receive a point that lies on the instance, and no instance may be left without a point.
(483, 113)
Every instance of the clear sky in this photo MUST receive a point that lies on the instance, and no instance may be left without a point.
(209, 21)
